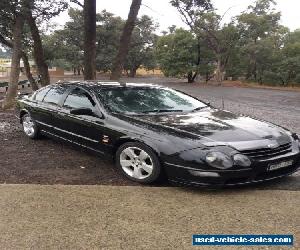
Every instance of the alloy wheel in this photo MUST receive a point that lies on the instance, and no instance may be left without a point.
(28, 126)
(136, 163)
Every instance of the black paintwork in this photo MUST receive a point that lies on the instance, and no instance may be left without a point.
(181, 140)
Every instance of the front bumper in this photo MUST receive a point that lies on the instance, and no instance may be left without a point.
(258, 173)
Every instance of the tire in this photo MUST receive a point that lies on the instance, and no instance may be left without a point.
(138, 162)
(29, 127)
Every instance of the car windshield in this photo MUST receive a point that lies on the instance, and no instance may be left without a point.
(147, 100)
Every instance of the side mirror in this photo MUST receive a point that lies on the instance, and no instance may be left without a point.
(83, 111)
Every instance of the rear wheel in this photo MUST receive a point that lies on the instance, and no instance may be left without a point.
(29, 126)
(138, 162)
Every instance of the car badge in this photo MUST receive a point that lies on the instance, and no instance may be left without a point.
(273, 145)
(105, 139)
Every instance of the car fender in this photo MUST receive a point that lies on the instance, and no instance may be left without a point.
(137, 138)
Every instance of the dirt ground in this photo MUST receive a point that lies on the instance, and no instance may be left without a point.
(46, 161)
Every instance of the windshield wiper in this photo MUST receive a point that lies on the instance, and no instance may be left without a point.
(199, 108)
(161, 110)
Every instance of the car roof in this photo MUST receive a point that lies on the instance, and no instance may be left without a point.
(107, 84)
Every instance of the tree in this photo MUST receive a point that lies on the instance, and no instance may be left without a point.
(285, 65)
(200, 16)
(32, 11)
(178, 57)
(109, 29)
(221, 39)
(142, 44)
(64, 48)
(190, 12)
(258, 23)
(125, 40)
(38, 51)
(89, 13)
(36, 12)
(17, 23)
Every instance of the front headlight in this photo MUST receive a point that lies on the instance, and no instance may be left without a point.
(241, 160)
(218, 160)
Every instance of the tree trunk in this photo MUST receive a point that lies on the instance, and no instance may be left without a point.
(15, 63)
(89, 12)
(190, 77)
(30, 78)
(38, 51)
(132, 72)
(219, 72)
(125, 40)
(194, 76)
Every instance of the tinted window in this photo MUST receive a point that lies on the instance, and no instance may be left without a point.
(78, 98)
(54, 95)
(41, 94)
(143, 100)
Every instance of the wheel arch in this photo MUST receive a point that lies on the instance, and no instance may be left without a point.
(124, 140)
(22, 113)
(162, 176)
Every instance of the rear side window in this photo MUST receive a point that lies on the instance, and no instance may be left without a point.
(54, 95)
(39, 96)
(79, 98)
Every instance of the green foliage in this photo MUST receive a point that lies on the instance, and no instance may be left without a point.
(267, 52)
(260, 34)
(191, 10)
(177, 54)
(64, 47)
(297, 78)
(220, 39)
(141, 51)
(108, 35)
(253, 45)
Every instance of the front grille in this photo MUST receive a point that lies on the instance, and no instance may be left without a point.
(266, 153)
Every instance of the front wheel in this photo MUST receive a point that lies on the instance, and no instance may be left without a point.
(29, 126)
(138, 162)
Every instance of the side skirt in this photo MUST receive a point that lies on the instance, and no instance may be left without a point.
(72, 142)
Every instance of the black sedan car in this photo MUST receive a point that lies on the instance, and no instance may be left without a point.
(151, 130)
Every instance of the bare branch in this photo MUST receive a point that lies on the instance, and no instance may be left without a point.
(225, 13)
(148, 7)
(77, 2)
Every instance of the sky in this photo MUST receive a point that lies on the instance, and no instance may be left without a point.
(166, 15)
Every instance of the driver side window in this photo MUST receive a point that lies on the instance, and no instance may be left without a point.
(79, 98)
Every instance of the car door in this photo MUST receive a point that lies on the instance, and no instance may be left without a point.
(49, 105)
(86, 130)
(38, 110)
